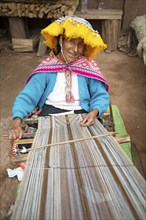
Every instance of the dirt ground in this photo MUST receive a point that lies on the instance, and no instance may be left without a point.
(126, 78)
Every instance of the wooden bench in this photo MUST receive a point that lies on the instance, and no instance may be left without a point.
(111, 24)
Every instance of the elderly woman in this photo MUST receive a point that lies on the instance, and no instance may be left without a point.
(67, 80)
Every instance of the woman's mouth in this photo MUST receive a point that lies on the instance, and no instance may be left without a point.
(72, 55)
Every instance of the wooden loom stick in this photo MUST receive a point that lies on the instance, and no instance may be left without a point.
(72, 141)
(24, 135)
(5, 135)
(24, 141)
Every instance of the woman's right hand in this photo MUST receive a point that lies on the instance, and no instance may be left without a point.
(16, 131)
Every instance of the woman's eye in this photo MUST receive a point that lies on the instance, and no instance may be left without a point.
(72, 42)
(81, 45)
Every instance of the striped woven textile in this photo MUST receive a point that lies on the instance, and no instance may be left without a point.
(71, 174)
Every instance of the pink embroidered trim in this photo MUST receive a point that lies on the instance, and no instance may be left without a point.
(69, 96)
(81, 67)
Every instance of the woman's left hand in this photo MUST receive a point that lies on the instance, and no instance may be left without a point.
(89, 118)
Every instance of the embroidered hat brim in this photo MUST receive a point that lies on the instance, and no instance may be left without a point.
(74, 27)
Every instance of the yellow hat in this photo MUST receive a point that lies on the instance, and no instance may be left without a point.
(74, 27)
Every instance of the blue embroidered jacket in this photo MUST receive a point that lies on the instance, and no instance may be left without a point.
(92, 92)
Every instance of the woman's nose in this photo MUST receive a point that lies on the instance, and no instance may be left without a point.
(75, 47)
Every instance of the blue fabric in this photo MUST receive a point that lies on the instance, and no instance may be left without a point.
(93, 94)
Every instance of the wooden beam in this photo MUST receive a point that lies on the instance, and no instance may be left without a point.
(122, 139)
(111, 33)
(42, 48)
(25, 45)
(17, 28)
(24, 141)
(105, 14)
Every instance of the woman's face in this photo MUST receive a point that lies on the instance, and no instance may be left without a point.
(72, 48)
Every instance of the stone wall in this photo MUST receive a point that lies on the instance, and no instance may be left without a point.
(132, 9)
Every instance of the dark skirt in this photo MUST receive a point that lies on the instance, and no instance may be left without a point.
(49, 109)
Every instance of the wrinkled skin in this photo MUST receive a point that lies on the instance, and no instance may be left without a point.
(89, 118)
(71, 49)
(16, 131)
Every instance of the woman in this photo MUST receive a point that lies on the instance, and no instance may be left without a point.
(68, 80)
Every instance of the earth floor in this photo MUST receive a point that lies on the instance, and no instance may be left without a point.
(126, 78)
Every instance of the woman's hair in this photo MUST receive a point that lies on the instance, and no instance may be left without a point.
(57, 50)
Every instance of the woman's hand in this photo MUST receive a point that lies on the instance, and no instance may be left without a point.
(89, 118)
(16, 131)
